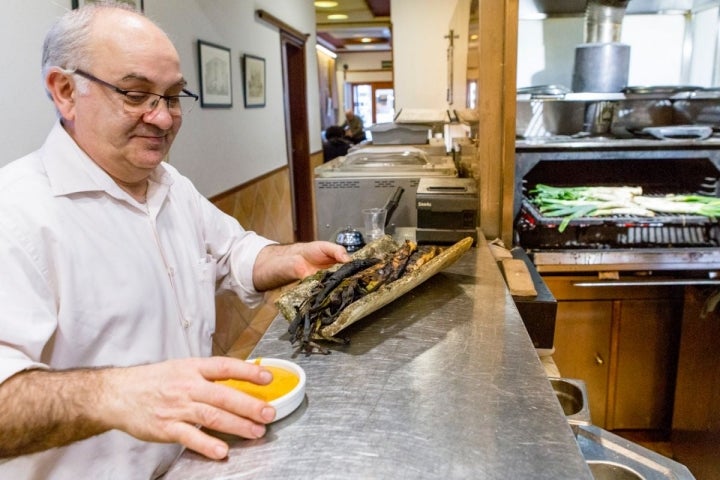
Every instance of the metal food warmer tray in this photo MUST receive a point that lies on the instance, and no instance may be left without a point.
(367, 177)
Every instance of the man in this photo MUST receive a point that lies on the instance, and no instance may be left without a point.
(111, 261)
(335, 144)
(353, 126)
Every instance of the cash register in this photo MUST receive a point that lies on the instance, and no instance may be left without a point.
(447, 210)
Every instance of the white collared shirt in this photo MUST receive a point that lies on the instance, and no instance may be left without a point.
(92, 277)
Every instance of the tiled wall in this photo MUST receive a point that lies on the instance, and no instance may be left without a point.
(264, 206)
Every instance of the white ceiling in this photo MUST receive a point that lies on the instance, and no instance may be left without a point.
(348, 34)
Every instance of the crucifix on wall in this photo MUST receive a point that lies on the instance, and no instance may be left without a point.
(451, 36)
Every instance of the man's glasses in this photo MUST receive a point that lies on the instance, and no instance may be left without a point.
(140, 103)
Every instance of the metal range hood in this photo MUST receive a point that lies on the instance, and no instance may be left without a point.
(603, 20)
(535, 8)
(602, 63)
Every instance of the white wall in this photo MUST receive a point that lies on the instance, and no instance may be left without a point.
(656, 48)
(420, 52)
(660, 52)
(27, 113)
(704, 67)
(546, 51)
(460, 27)
(364, 66)
(217, 148)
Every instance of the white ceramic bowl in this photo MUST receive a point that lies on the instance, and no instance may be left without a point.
(286, 404)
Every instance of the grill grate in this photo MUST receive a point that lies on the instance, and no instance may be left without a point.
(619, 231)
(666, 235)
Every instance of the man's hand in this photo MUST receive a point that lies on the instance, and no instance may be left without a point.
(163, 402)
(166, 401)
(278, 265)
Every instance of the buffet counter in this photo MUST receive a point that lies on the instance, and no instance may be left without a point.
(443, 382)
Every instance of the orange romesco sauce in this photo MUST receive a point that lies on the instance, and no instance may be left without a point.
(283, 381)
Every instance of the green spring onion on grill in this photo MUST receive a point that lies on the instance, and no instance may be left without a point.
(574, 202)
(689, 204)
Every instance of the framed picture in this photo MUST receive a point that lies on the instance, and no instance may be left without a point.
(215, 76)
(137, 4)
(254, 80)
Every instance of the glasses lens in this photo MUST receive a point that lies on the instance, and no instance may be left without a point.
(185, 105)
(140, 103)
(179, 105)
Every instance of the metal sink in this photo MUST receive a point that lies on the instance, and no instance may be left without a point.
(612, 471)
(609, 456)
(572, 395)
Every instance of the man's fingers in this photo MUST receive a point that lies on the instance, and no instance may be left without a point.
(222, 368)
(199, 441)
(220, 407)
(225, 409)
(214, 419)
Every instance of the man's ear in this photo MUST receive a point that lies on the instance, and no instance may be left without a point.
(62, 90)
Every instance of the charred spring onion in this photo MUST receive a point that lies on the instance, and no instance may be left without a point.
(575, 202)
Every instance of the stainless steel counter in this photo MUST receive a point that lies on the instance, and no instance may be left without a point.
(442, 383)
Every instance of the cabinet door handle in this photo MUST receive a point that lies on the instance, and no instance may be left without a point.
(598, 359)
(647, 283)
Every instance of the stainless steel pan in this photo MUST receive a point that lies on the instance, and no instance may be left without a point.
(645, 107)
(699, 107)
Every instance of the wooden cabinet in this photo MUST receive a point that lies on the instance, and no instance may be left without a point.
(696, 418)
(623, 342)
(582, 348)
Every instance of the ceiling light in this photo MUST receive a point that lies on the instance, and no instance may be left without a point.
(337, 16)
(474, 36)
(325, 4)
(366, 40)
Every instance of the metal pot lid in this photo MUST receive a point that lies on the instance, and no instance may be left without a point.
(544, 91)
(647, 92)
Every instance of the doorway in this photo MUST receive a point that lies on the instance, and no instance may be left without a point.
(296, 133)
(374, 102)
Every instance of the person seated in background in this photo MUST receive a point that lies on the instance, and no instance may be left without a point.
(335, 144)
(353, 127)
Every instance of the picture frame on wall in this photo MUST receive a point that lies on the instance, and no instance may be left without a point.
(215, 75)
(253, 69)
(137, 4)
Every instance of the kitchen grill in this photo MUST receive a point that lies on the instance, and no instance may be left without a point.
(616, 231)
(668, 242)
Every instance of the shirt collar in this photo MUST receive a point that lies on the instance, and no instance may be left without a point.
(70, 170)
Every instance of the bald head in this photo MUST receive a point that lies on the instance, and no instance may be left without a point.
(75, 38)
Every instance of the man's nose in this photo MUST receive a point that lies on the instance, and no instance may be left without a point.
(160, 115)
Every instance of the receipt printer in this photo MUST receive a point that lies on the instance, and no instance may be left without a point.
(446, 209)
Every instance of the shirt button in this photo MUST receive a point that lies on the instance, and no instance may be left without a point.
(171, 271)
(186, 324)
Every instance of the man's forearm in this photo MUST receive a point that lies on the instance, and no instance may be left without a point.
(270, 270)
(45, 409)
